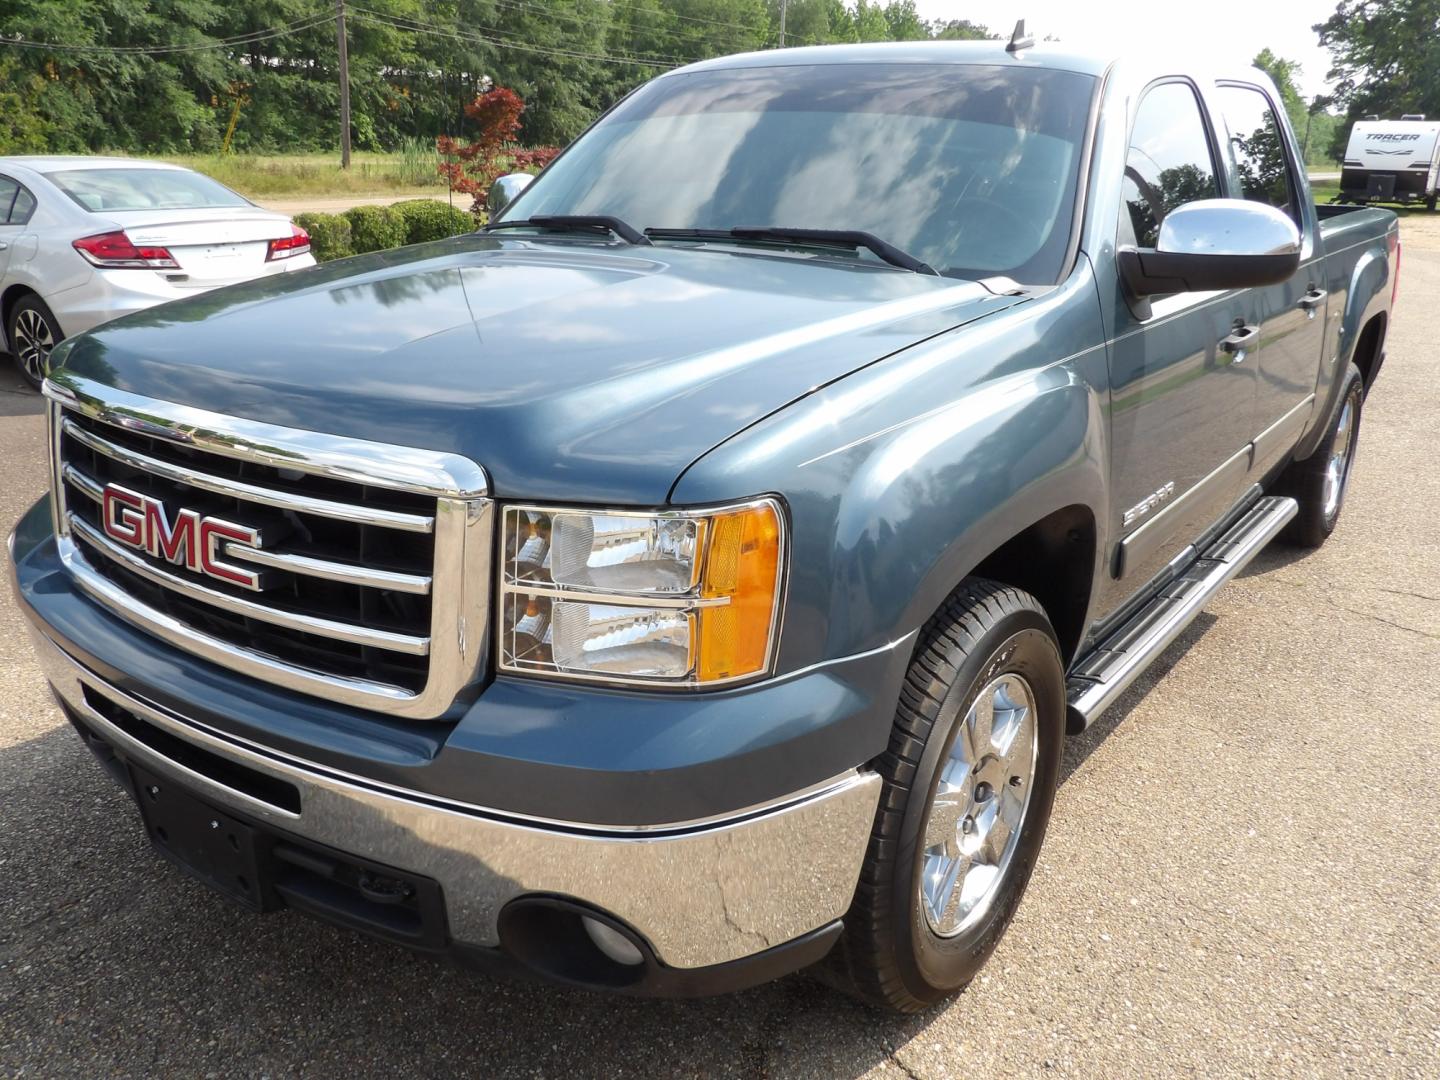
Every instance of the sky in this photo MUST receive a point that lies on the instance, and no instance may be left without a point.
(1229, 31)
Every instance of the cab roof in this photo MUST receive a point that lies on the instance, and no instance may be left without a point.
(1135, 68)
(914, 52)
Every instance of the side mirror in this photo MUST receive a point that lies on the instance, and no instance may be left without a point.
(1215, 244)
(504, 190)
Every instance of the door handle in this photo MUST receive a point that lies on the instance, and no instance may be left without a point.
(1312, 299)
(1236, 344)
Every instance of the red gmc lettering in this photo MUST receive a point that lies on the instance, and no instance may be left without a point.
(122, 516)
(192, 541)
(175, 545)
(211, 534)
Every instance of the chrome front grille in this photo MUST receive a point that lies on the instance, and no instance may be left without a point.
(367, 581)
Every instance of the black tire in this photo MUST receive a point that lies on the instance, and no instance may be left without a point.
(1309, 482)
(1430, 203)
(26, 331)
(889, 955)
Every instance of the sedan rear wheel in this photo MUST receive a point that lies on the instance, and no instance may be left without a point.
(33, 335)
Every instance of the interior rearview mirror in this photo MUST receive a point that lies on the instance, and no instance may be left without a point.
(1214, 244)
(504, 190)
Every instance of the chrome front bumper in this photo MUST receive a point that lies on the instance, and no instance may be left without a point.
(701, 895)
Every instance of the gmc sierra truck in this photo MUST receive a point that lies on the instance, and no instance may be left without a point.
(692, 576)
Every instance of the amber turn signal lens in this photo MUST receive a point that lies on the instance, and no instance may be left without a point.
(743, 566)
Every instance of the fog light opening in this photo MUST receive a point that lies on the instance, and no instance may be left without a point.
(615, 945)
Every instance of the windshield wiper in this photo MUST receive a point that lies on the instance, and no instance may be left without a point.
(850, 238)
(577, 223)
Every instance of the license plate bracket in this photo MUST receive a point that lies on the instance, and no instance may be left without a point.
(202, 840)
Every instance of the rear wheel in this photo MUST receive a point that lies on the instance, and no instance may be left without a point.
(32, 333)
(1319, 482)
(970, 777)
(1430, 202)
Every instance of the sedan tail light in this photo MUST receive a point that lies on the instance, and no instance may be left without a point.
(116, 251)
(297, 243)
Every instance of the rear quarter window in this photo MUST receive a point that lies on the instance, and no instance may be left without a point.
(23, 207)
(1258, 147)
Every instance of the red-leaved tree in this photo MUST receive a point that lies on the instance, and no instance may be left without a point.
(471, 167)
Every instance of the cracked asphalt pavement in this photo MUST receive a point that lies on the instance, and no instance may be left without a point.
(1242, 876)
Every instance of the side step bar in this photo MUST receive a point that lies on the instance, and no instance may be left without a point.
(1104, 674)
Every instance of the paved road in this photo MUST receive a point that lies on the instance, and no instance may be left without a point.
(1242, 876)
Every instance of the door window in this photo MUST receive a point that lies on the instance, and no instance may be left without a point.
(1169, 164)
(1258, 148)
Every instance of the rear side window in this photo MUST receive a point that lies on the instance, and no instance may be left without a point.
(1259, 148)
(1170, 162)
(8, 189)
(23, 207)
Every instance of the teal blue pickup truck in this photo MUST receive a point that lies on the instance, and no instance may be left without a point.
(693, 576)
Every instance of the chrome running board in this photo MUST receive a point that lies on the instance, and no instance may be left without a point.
(1114, 664)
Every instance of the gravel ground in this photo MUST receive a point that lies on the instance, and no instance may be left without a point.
(1242, 876)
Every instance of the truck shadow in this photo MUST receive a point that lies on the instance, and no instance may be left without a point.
(1079, 747)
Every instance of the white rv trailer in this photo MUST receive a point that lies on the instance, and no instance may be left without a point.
(1392, 161)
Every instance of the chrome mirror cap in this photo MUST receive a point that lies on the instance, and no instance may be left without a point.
(1228, 227)
(504, 191)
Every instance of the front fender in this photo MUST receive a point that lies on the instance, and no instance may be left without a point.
(901, 478)
(925, 509)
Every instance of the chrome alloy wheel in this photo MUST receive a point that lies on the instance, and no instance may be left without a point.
(1337, 469)
(979, 805)
(33, 342)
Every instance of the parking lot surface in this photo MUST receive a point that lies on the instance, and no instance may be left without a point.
(1242, 876)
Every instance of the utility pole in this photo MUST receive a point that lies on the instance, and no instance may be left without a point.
(782, 23)
(343, 48)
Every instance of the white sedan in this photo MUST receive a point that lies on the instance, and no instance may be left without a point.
(86, 239)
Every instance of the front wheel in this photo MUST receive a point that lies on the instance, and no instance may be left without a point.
(32, 333)
(969, 780)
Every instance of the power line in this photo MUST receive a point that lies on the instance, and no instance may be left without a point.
(612, 24)
(500, 41)
(251, 38)
(379, 19)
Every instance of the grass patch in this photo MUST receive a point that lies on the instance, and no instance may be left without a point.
(1326, 191)
(412, 171)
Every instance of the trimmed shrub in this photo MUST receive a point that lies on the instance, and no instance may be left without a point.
(428, 219)
(374, 228)
(329, 235)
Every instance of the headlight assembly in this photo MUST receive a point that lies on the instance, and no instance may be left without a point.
(674, 598)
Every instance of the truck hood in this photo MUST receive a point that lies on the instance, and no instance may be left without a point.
(568, 369)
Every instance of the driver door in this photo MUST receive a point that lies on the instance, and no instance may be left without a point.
(1182, 380)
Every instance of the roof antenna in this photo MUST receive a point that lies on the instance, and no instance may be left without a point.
(1019, 39)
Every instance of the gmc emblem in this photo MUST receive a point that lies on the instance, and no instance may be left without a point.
(193, 542)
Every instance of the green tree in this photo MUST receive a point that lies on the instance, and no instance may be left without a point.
(1386, 59)
(1283, 72)
(963, 30)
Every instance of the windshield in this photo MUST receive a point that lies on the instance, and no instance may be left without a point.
(143, 189)
(970, 168)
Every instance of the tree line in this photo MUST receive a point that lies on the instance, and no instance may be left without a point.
(196, 76)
